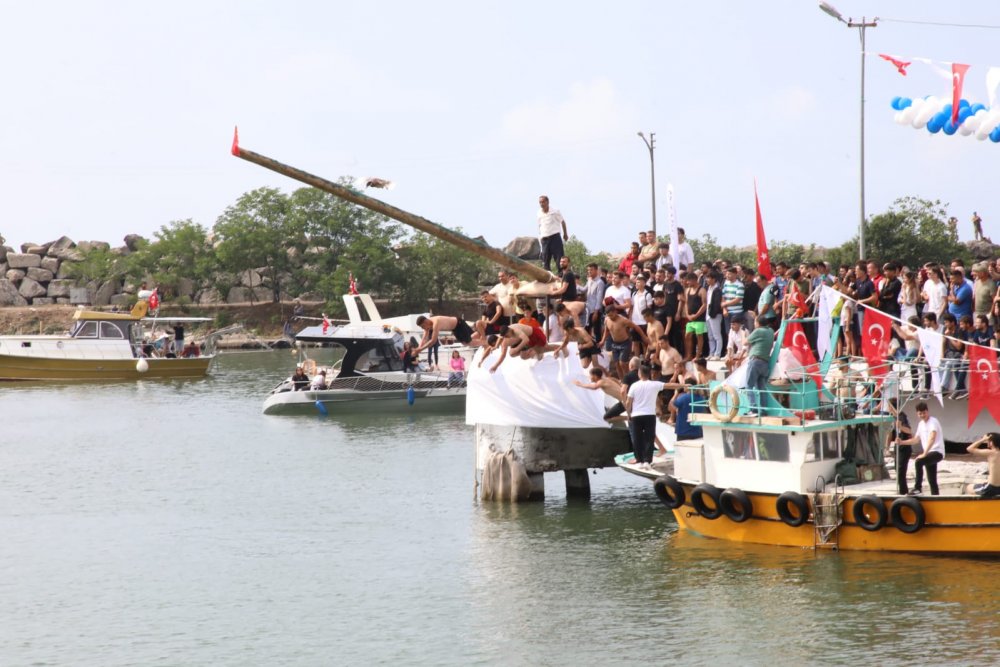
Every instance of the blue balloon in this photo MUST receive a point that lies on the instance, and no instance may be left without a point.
(963, 104)
(905, 102)
(964, 113)
(934, 124)
(975, 108)
(410, 395)
(945, 111)
(321, 408)
(895, 103)
(995, 135)
(950, 128)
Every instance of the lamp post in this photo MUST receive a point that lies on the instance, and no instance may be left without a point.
(650, 144)
(861, 26)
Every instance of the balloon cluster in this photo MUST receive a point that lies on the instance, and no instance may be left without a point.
(934, 113)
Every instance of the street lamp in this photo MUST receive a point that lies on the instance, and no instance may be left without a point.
(861, 26)
(650, 144)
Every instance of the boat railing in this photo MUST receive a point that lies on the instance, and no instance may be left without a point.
(418, 381)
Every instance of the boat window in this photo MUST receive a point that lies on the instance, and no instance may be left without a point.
(111, 330)
(772, 446)
(831, 445)
(738, 445)
(813, 447)
(86, 330)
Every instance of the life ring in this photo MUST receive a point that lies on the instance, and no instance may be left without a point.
(698, 501)
(736, 505)
(309, 366)
(784, 505)
(861, 518)
(734, 403)
(896, 514)
(669, 491)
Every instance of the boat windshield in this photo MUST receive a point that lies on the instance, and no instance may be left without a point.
(84, 329)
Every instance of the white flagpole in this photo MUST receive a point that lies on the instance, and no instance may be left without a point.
(675, 246)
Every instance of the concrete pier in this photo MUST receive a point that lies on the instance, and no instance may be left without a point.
(571, 450)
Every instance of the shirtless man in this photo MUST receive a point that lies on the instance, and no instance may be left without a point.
(586, 347)
(991, 487)
(654, 329)
(618, 327)
(611, 387)
(669, 360)
(434, 325)
(521, 340)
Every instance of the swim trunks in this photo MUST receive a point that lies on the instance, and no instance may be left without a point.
(986, 490)
(588, 351)
(620, 351)
(462, 331)
(697, 328)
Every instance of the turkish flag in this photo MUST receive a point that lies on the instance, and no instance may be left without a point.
(875, 335)
(352, 284)
(154, 300)
(326, 324)
(798, 344)
(797, 299)
(901, 65)
(984, 382)
(957, 79)
(236, 141)
(763, 258)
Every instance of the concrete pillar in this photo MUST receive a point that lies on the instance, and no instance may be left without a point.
(537, 480)
(577, 484)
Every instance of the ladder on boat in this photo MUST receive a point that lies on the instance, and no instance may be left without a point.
(828, 514)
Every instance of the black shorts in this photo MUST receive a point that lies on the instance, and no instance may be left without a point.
(588, 351)
(493, 329)
(615, 410)
(462, 331)
(634, 335)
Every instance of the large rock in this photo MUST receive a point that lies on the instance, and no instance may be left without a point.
(39, 274)
(238, 294)
(121, 251)
(61, 246)
(525, 247)
(50, 264)
(58, 288)
(3, 252)
(14, 275)
(87, 246)
(185, 287)
(984, 249)
(250, 278)
(29, 289)
(121, 300)
(3, 268)
(208, 297)
(262, 295)
(102, 296)
(9, 296)
(35, 249)
(23, 260)
(133, 242)
(65, 269)
(42, 301)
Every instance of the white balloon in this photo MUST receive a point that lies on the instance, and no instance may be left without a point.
(906, 115)
(965, 131)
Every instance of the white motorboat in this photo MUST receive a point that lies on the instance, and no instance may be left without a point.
(370, 375)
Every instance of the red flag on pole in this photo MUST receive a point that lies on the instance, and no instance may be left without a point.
(154, 300)
(901, 65)
(352, 284)
(798, 344)
(958, 71)
(984, 382)
(763, 258)
(326, 323)
(875, 335)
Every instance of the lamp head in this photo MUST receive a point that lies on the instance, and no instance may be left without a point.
(832, 11)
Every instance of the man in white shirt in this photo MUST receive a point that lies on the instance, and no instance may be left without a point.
(640, 404)
(685, 255)
(619, 291)
(929, 435)
(504, 292)
(549, 224)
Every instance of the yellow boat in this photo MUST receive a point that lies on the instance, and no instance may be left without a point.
(789, 476)
(101, 346)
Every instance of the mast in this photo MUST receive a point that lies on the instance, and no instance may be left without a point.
(417, 222)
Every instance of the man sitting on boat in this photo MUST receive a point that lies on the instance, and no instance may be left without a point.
(991, 487)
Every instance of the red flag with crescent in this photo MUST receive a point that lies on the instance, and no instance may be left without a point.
(763, 258)
(798, 344)
(875, 336)
(958, 71)
(901, 65)
(984, 382)
(326, 323)
(154, 300)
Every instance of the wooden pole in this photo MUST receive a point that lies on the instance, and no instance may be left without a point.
(423, 224)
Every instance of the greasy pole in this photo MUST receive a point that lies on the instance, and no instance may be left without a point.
(478, 247)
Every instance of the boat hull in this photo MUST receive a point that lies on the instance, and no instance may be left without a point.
(345, 402)
(68, 370)
(954, 524)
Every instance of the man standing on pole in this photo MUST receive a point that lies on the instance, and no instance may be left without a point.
(549, 225)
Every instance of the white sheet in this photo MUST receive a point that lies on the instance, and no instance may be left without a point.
(533, 393)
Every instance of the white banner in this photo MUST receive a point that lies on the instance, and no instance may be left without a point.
(675, 246)
(930, 343)
(828, 300)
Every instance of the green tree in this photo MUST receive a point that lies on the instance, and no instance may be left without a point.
(180, 250)
(580, 256)
(258, 232)
(99, 263)
(343, 238)
(436, 270)
(913, 231)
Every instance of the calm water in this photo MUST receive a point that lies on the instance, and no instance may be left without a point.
(170, 523)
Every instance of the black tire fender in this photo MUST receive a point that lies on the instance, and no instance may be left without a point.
(669, 491)
(783, 505)
(698, 494)
(896, 514)
(736, 505)
(876, 505)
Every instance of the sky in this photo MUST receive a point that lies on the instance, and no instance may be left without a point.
(117, 117)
